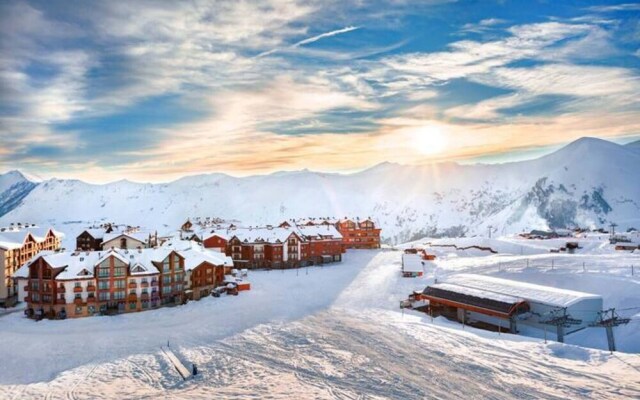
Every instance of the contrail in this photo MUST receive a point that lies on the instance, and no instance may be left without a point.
(311, 39)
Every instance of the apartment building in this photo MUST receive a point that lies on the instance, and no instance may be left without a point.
(18, 244)
(85, 283)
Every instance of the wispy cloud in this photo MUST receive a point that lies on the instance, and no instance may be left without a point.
(310, 40)
(615, 7)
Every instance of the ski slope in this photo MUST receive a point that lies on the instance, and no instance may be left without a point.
(330, 332)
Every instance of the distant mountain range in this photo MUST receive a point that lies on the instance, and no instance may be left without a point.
(590, 182)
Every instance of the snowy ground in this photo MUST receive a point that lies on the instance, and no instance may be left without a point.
(336, 332)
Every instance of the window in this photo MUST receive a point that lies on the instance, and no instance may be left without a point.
(77, 284)
(144, 280)
(123, 243)
(103, 272)
(120, 284)
(119, 295)
(35, 296)
(166, 279)
(78, 310)
(145, 304)
(103, 285)
(35, 285)
(132, 281)
(46, 298)
(104, 296)
(119, 271)
(132, 305)
(132, 291)
(166, 290)
(91, 310)
(145, 291)
(78, 296)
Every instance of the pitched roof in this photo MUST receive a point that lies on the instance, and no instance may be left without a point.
(319, 231)
(73, 263)
(13, 238)
(528, 291)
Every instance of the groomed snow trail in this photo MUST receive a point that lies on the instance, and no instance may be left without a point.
(335, 333)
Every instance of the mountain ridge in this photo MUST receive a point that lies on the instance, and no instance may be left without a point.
(589, 182)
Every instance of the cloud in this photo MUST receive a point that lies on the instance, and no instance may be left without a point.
(616, 7)
(482, 26)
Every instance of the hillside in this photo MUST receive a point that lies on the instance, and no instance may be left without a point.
(13, 188)
(589, 182)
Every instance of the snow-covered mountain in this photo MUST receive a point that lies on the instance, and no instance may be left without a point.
(13, 188)
(590, 182)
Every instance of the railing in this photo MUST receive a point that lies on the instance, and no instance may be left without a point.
(133, 285)
(132, 297)
(91, 288)
(91, 299)
(144, 284)
(77, 301)
(144, 296)
(77, 289)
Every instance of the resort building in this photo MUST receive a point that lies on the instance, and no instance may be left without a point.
(18, 244)
(359, 234)
(78, 284)
(107, 236)
(508, 305)
(284, 246)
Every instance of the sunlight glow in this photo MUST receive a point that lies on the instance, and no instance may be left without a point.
(428, 140)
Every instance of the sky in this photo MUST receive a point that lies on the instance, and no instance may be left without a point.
(156, 90)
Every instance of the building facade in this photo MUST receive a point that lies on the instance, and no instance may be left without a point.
(18, 244)
(358, 234)
(79, 284)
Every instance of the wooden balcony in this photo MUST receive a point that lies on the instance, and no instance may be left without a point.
(78, 301)
(91, 299)
(133, 285)
(144, 284)
(91, 288)
(144, 296)
(77, 289)
(154, 283)
(132, 297)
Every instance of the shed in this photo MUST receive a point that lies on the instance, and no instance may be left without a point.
(412, 265)
(541, 299)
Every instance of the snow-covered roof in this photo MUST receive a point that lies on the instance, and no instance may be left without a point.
(76, 263)
(319, 231)
(256, 234)
(198, 255)
(528, 291)
(483, 294)
(139, 236)
(96, 233)
(412, 263)
(14, 237)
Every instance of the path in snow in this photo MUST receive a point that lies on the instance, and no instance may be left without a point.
(336, 333)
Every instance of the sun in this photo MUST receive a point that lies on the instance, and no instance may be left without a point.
(428, 140)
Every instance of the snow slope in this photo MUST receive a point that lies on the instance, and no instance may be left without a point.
(590, 182)
(13, 188)
(331, 332)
